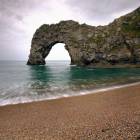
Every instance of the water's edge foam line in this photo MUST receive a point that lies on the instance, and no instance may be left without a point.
(79, 94)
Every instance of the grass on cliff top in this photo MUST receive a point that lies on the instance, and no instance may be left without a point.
(132, 26)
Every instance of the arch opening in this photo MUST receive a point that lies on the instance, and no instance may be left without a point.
(58, 52)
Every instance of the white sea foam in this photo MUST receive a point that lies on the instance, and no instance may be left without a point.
(110, 88)
(24, 99)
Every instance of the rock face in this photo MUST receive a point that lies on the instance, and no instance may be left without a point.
(117, 44)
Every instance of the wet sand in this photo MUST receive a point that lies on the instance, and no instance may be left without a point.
(110, 115)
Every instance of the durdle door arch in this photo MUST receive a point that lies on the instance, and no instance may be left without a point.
(49, 35)
(114, 45)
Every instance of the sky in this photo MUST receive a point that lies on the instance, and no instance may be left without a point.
(19, 19)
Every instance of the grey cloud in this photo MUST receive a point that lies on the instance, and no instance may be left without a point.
(102, 9)
(13, 13)
(17, 8)
(13, 40)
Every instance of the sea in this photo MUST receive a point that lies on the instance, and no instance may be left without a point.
(21, 83)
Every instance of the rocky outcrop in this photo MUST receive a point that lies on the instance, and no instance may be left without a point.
(117, 44)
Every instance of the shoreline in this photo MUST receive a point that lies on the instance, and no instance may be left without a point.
(81, 93)
(113, 114)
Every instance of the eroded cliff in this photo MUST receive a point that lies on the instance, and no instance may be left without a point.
(117, 44)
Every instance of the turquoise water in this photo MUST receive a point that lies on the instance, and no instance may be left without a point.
(21, 83)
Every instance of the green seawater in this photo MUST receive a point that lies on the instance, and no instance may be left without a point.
(22, 83)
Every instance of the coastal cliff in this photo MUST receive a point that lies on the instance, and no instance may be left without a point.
(117, 44)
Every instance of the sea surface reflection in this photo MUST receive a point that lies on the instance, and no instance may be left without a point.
(21, 83)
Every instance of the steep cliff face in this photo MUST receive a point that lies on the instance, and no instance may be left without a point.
(117, 44)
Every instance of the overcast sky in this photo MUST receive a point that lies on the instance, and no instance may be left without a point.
(20, 18)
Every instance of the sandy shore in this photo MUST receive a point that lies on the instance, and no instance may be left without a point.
(111, 115)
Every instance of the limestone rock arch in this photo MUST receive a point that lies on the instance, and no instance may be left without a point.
(49, 35)
(117, 44)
